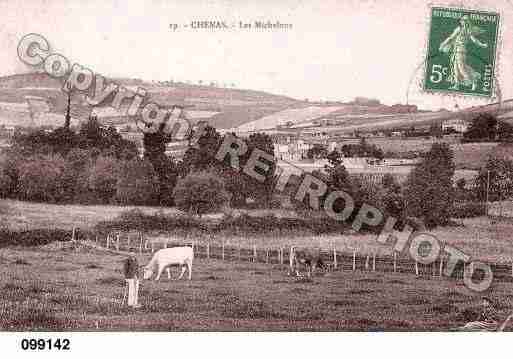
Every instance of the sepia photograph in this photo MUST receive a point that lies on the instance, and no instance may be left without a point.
(255, 166)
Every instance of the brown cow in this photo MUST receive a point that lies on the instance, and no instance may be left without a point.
(310, 258)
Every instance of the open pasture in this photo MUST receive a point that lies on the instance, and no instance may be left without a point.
(54, 288)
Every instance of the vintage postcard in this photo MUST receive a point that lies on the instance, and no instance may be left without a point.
(287, 166)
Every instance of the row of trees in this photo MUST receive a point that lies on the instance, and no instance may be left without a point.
(361, 149)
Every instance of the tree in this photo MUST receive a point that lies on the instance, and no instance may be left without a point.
(40, 179)
(334, 158)
(482, 128)
(102, 178)
(6, 183)
(429, 191)
(202, 156)
(137, 183)
(200, 192)
(495, 181)
(317, 151)
(461, 184)
(166, 168)
(76, 162)
(505, 131)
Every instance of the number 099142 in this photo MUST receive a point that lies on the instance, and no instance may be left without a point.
(45, 344)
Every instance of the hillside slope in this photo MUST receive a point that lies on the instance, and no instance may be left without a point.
(223, 107)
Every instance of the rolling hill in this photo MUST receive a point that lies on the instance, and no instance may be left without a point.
(225, 108)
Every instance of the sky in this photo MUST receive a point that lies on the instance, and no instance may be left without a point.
(335, 50)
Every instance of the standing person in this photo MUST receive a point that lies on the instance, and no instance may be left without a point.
(131, 268)
(487, 320)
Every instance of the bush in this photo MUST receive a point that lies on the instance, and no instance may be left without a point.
(469, 210)
(137, 183)
(34, 237)
(101, 178)
(40, 178)
(200, 192)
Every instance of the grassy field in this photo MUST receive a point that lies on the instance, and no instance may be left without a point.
(54, 288)
(466, 155)
(478, 237)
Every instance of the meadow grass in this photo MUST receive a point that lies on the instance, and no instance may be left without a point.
(225, 296)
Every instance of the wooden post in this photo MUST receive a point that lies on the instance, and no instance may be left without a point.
(128, 242)
(108, 239)
(441, 273)
(395, 261)
(146, 245)
(238, 255)
(335, 258)
(433, 270)
(222, 251)
(208, 251)
(73, 234)
(281, 255)
(416, 268)
(255, 257)
(463, 273)
(117, 242)
(166, 243)
(152, 247)
(267, 256)
(140, 243)
(367, 262)
(374, 261)
(96, 239)
(354, 260)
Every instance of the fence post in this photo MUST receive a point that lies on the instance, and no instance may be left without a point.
(395, 261)
(108, 239)
(354, 260)
(222, 251)
(128, 242)
(117, 242)
(96, 239)
(238, 254)
(267, 255)
(255, 257)
(281, 255)
(152, 246)
(335, 264)
(140, 242)
(416, 268)
(374, 261)
(441, 266)
(367, 262)
(208, 251)
(73, 234)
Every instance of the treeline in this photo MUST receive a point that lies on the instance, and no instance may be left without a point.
(97, 166)
(487, 128)
(93, 166)
(361, 149)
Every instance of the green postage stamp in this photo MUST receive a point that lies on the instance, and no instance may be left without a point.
(461, 51)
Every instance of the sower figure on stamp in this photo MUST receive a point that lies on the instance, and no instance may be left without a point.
(461, 73)
(131, 268)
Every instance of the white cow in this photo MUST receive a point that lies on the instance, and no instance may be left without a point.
(164, 258)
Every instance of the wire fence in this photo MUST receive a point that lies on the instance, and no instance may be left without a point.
(335, 259)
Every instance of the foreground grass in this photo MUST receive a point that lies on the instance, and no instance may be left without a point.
(52, 289)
